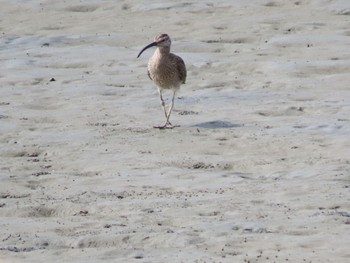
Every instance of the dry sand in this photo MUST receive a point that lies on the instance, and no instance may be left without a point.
(258, 171)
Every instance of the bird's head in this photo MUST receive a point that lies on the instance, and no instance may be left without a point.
(162, 41)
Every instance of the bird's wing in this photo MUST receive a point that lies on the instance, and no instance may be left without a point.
(149, 75)
(181, 69)
(177, 62)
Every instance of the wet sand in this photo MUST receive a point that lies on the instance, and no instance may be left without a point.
(258, 171)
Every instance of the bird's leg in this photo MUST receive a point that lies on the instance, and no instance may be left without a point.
(170, 108)
(167, 124)
(163, 103)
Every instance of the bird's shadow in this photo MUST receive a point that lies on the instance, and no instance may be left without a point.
(218, 124)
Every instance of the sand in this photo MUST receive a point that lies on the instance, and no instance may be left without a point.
(258, 171)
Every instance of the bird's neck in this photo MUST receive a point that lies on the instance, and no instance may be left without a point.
(163, 51)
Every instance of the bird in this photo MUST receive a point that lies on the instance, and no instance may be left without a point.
(168, 72)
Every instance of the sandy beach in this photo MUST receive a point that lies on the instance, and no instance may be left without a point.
(258, 171)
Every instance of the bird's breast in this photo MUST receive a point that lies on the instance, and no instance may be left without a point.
(163, 72)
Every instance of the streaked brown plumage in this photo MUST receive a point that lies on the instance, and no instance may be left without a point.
(167, 70)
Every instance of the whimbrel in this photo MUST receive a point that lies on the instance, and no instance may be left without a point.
(167, 70)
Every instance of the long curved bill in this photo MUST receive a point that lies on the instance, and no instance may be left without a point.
(146, 47)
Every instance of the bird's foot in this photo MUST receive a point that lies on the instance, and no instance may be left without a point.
(167, 125)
